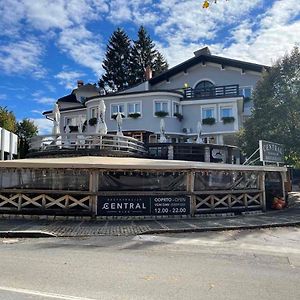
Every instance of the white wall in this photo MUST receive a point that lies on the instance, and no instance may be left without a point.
(8, 143)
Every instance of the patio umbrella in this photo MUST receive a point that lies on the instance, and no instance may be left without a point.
(199, 129)
(119, 120)
(101, 125)
(162, 138)
(56, 120)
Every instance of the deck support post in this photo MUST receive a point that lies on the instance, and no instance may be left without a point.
(190, 190)
(93, 188)
(262, 187)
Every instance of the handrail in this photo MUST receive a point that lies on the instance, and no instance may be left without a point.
(75, 141)
(212, 92)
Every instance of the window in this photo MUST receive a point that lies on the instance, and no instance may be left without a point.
(94, 112)
(176, 108)
(226, 112)
(134, 108)
(70, 121)
(208, 112)
(246, 91)
(161, 106)
(204, 85)
(115, 108)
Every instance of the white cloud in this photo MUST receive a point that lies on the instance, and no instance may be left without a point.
(22, 56)
(69, 78)
(45, 100)
(44, 125)
(83, 46)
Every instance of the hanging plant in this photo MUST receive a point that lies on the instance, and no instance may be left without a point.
(114, 116)
(161, 114)
(179, 116)
(227, 120)
(208, 121)
(92, 121)
(134, 115)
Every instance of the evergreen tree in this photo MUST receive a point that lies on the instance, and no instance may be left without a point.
(116, 63)
(160, 64)
(143, 55)
(276, 112)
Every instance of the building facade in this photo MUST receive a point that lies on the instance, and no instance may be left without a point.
(213, 90)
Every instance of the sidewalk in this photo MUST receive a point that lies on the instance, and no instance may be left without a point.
(42, 228)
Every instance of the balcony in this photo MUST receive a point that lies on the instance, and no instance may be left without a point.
(224, 91)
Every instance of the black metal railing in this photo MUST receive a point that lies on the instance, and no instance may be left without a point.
(212, 92)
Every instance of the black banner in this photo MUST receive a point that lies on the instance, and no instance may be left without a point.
(172, 205)
(143, 205)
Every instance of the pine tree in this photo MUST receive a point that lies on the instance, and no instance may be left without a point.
(160, 64)
(117, 62)
(143, 55)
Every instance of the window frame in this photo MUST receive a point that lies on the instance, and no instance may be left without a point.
(134, 103)
(161, 101)
(225, 107)
(204, 107)
(118, 104)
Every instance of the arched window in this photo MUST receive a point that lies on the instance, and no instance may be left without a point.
(204, 84)
(204, 89)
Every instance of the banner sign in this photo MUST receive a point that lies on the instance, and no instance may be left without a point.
(143, 205)
(271, 152)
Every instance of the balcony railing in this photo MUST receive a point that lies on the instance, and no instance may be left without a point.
(76, 141)
(223, 91)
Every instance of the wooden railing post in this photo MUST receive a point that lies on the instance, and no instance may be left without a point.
(93, 188)
(190, 190)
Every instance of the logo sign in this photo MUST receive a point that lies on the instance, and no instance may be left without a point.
(143, 205)
(123, 206)
(271, 152)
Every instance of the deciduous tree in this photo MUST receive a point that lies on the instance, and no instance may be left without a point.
(276, 112)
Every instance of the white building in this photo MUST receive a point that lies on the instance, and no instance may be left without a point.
(207, 88)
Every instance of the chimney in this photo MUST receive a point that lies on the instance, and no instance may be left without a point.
(148, 73)
(79, 83)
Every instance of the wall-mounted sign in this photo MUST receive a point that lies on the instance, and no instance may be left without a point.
(271, 152)
(143, 205)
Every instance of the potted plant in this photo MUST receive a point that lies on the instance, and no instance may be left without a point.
(179, 116)
(227, 120)
(134, 115)
(208, 121)
(161, 114)
(92, 121)
(114, 116)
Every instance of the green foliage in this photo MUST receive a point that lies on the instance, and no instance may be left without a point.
(227, 120)
(126, 61)
(208, 121)
(160, 64)
(117, 62)
(26, 129)
(92, 121)
(134, 115)
(114, 116)
(276, 113)
(161, 114)
(179, 116)
(8, 120)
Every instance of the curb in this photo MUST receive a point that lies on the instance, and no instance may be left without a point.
(225, 228)
(26, 234)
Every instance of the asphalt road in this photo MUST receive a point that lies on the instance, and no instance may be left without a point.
(262, 264)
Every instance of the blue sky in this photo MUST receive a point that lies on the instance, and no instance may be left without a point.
(46, 45)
